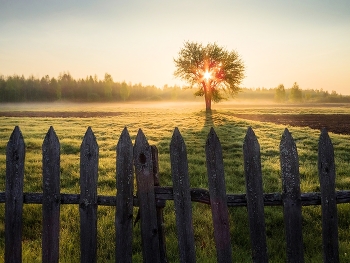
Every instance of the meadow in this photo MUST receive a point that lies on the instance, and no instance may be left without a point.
(157, 121)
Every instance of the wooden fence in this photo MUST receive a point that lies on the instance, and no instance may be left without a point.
(142, 160)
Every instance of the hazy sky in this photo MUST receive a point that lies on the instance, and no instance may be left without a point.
(280, 41)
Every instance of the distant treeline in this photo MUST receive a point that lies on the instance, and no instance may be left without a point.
(20, 89)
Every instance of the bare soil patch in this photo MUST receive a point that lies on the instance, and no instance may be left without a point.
(336, 123)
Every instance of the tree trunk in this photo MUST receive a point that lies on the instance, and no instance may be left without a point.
(207, 97)
(207, 103)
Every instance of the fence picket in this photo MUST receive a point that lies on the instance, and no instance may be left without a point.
(182, 198)
(326, 171)
(15, 154)
(88, 197)
(51, 197)
(160, 204)
(218, 198)
(146, 196)
(255, 196)
(124, 203)
(291, 198)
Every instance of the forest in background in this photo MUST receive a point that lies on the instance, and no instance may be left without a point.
(20, 89)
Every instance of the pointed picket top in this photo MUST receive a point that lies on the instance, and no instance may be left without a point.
(51, 144)
(15, 154)
(291, 198)
(213, 139)
(89, 147)
(89, 160)
(140, 137)
(177, 143)
(326, 171)
(16, 140)
(124, 139)
(250, 141)
(182, 197)
(255, 196)
(213, 150)
(51, 136)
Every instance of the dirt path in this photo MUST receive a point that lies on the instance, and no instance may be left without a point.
(337, 123)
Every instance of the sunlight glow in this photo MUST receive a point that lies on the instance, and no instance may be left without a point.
(207, 75)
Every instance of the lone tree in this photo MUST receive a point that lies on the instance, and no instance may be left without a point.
(211, 69)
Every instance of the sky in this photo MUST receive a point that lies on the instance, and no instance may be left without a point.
(279, 41)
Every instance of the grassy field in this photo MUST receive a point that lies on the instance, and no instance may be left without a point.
(158, 122)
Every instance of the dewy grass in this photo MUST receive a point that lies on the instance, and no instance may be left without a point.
(158, 124)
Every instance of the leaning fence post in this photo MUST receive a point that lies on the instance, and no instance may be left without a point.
(51, 197)
(326, 171)
(160, 204)
(124, 205)
(218, 198)
(291, 198)
(147, 201)
(15, 153)
(255, 196)
(88, 197)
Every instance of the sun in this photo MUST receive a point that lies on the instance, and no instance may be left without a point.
(207, 75)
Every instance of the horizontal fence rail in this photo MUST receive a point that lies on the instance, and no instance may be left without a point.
(164, 193)
(141, 161)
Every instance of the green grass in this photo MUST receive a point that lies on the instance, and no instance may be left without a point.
(158, 122)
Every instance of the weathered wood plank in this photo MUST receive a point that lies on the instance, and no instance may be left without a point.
(160, 204)
(218, 198)
(291, 198)
(15, 154)
(199, 195)
(326, 170)
(51, 197)
(255, 197)
(124, 198)
(182, 198)
(88, 197)
(147, 201)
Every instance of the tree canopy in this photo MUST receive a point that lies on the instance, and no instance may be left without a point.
(296, 93)
(211, 69)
